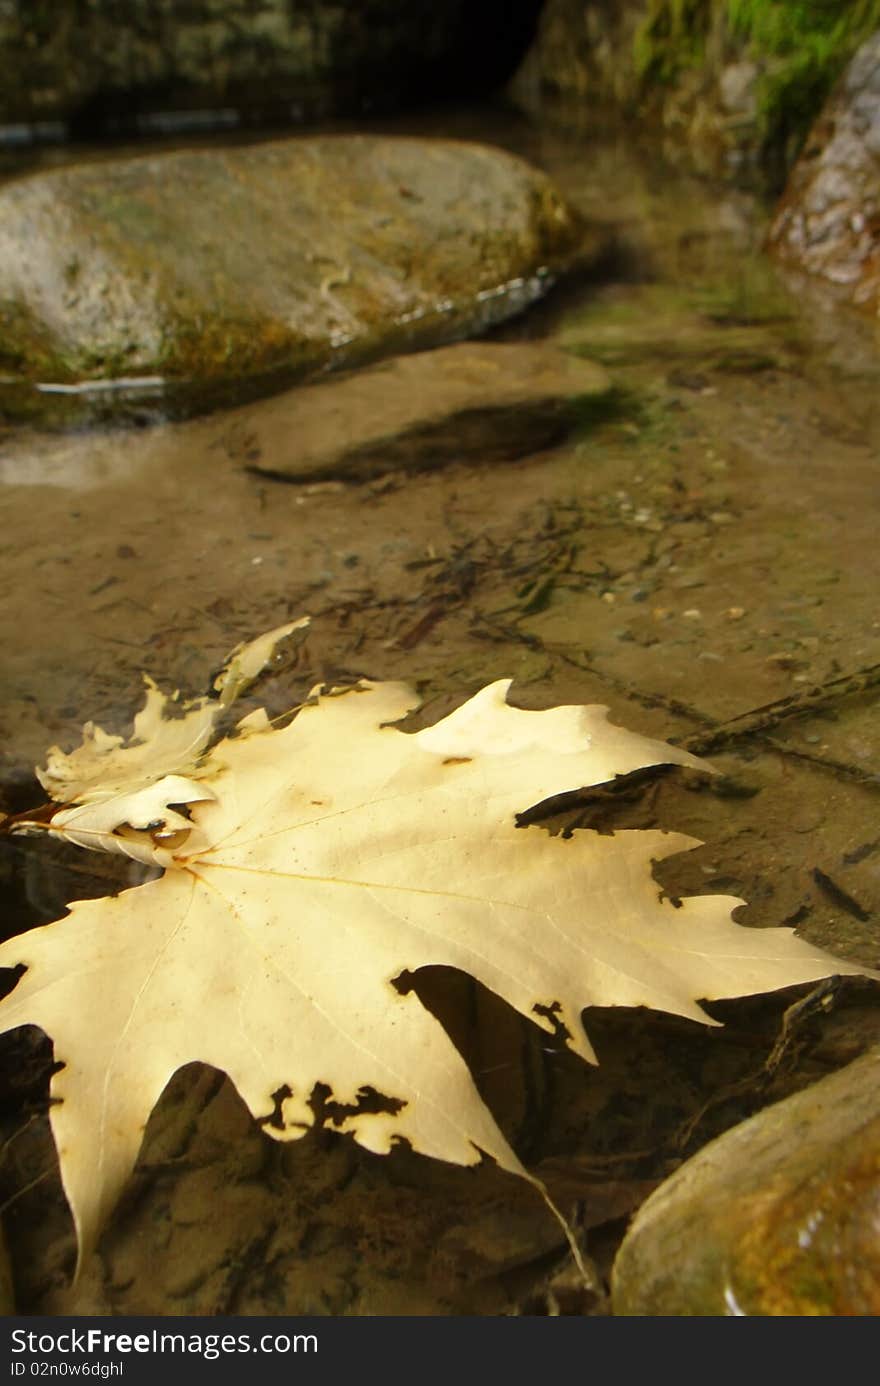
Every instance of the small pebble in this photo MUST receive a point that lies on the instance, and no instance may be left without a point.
(693, 613)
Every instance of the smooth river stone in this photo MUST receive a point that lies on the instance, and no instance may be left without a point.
(779, 1216)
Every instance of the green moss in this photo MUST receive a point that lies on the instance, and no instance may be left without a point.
(633, 415)
(221, 348)
(26, 348)
(590, 412)
(806, 44)
(800, 46)
(749, 296)
(670, 37)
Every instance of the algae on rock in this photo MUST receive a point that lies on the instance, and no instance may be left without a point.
(213, 264)
(725, 83)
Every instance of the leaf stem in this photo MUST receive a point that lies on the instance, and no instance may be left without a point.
(587, 1271)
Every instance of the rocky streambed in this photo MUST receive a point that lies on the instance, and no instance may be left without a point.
(653, 490)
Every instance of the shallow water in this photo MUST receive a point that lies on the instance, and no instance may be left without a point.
(703, 549)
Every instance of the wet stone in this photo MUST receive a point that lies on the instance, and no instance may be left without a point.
(481, 402)
(828, 221)
(268, 262)
(779, 1216)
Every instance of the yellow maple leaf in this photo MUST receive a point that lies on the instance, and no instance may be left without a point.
(306, 868)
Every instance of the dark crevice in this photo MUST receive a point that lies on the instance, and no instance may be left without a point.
(484, 44)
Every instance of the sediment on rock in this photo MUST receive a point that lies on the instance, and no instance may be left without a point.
(280, 258)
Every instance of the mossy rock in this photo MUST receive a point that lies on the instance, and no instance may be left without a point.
(214, 265)
(726, 86)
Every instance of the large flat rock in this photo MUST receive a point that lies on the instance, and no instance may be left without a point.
(475, 401)
(215, 265)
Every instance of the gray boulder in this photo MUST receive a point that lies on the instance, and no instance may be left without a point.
(477, 401)
(214, 265)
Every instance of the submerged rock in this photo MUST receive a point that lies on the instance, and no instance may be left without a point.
(780, 1216)
(276, 259)
(474, 401)
(829, 221)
